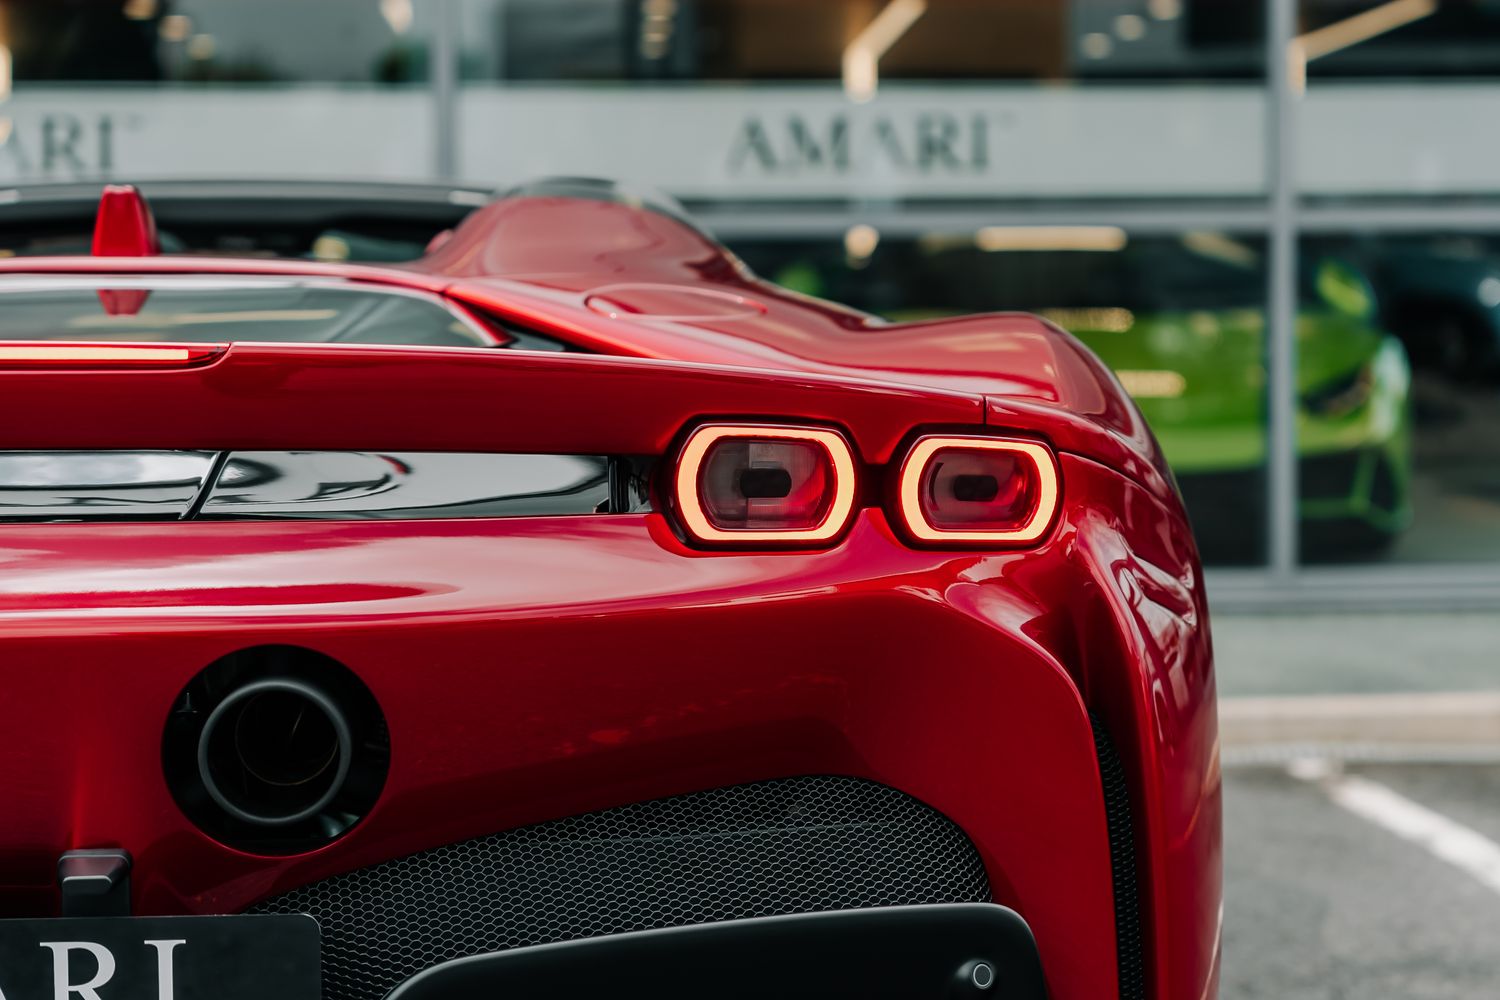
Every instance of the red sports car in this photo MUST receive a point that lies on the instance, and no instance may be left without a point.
(569, 613)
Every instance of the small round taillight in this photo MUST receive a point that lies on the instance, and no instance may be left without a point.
(977, 491)
(737, 484)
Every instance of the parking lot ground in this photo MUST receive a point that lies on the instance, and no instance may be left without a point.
(1361, 880)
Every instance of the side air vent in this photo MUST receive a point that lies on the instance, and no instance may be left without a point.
(795, 845)
(275, 749)
(1129, 945)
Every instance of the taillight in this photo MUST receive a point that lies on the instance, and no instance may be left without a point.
(59, 355)
(977, 490)
(737, 484)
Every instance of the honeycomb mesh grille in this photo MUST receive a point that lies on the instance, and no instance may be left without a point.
(794, 845)
(1132, 968)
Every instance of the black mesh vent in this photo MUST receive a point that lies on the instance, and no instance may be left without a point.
(794, 845)
(1122, 861)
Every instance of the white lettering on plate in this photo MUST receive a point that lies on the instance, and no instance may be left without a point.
(165, 985)
(62, 985)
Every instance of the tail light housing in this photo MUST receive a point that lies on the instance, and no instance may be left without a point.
(737, 484)
(977, 491)
(83, 355)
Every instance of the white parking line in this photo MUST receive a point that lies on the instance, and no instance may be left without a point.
(1465, 849)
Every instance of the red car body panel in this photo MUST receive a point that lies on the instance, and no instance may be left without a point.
(315, 397)
(534, 668)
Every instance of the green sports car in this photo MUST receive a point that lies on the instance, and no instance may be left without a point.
(1181, 320)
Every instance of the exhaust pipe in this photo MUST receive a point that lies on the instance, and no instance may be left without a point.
(275, 752)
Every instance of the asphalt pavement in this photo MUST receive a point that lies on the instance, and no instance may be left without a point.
(1361, 880)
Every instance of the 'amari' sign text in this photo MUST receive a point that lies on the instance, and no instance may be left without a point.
(923, 144)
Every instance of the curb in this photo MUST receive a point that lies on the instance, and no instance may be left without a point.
(1416, 720)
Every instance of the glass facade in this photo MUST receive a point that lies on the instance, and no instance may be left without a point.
(1278, 220)
(1396, 179)
(217, 41)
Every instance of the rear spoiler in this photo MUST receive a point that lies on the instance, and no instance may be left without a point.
(284, 396)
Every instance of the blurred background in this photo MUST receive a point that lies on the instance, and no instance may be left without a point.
(1277, 220)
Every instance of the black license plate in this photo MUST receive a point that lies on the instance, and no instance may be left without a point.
(160, 958)
(978, 951)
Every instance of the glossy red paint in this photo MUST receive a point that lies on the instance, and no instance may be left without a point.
(524, 706)
(124, 226)
(1145, 666)
(274, 396)
(540, 261)
(521, 662)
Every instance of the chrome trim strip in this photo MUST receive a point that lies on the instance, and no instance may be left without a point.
(391, 485)
(108, 485)
(201, 497)
(94, 485)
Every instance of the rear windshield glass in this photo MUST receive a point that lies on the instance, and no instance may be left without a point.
(205, 312)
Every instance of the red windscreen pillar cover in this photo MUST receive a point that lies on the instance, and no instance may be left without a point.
(124, 227)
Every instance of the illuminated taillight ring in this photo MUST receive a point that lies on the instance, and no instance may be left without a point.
(914, 468)
(55, 355)
(696, 449)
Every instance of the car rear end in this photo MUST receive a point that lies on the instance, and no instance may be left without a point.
(587, 671)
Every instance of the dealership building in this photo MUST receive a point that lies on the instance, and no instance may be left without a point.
(1277, 220)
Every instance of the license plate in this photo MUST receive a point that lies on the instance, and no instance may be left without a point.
(160, 958)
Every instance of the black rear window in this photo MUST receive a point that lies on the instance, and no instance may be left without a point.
(219, 311)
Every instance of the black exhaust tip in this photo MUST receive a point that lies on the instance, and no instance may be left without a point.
(276, 749)
(275, 752)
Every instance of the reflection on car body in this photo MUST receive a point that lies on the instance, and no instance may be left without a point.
(306, 484)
